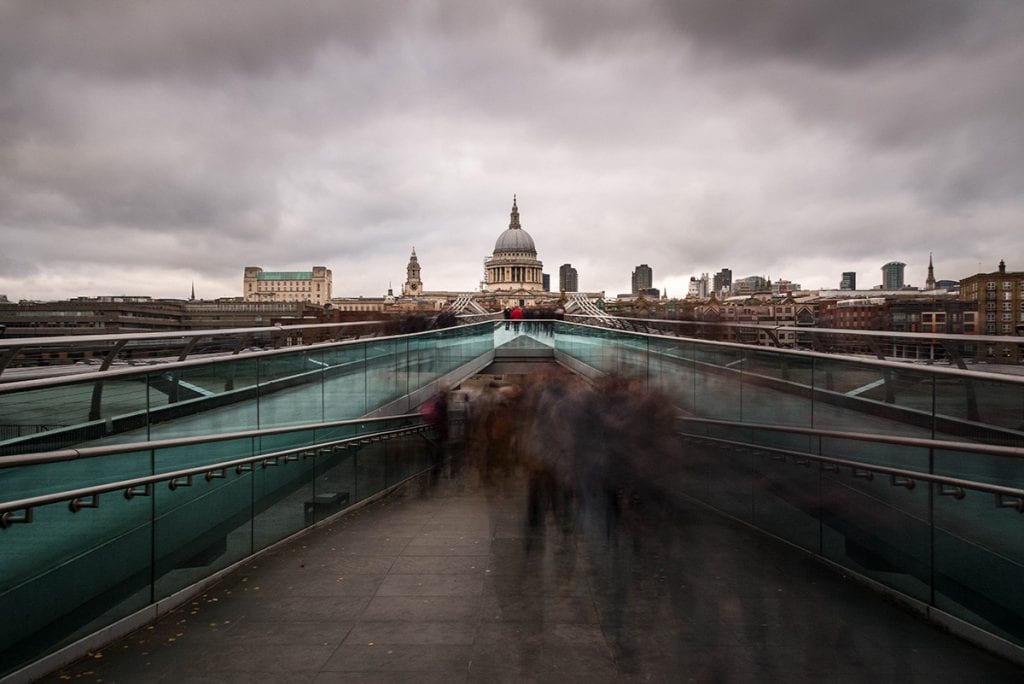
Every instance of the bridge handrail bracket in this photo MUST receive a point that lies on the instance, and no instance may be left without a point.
(8, 518)
(183, 481)
(954, 491)
(899, 481)
(140, 490)
(215, 474)
(80, 502)
(1008, 501)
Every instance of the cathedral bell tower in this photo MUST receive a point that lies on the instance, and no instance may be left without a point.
(413, 286)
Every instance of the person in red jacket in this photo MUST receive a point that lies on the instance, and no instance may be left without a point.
(517, 315)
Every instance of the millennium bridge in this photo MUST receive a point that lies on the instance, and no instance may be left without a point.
(269, 504)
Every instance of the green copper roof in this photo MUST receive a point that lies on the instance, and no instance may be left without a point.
(285, 275)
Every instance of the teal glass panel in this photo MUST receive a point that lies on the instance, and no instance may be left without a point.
(208, 399)
(719, 383)
(200, 529)
(859, 397)
(345, 378)
(871, 527)
(786, 495)
(386, 372)
(979, 410)
(47, 418)
(334, 484)
(283, 493)
(672, 372)
(776, 388)
(731, 471)
(48, 478)
(170, 459)
(370, 470)
(66, 575)
(979, 563)
(291, 389)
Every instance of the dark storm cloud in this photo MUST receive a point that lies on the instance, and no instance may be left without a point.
(209, 135)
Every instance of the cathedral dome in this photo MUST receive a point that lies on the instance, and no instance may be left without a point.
(514, 239)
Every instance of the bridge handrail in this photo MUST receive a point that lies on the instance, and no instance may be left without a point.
(813, 330)
(210, 470)
(804, 353)
(94, 376)
(56, 455)
(1006, 497)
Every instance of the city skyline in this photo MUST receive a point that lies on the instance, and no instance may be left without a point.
(148, 148)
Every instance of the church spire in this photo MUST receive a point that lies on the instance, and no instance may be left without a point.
(514, 223)
(930, 282)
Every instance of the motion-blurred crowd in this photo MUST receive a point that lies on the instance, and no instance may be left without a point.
(597, 453)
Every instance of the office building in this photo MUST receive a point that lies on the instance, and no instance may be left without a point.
(892, 275)
(643, 278)
(568, 279)
(849, 281)
(313, 286)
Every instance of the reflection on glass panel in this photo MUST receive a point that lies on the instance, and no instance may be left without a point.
(385, 372)
(208, 399)
(979, 563)
(49, 418)
(283, 492)
(869, 526)
(291, 389)
(718, 387)
(856, 397)
(200, 529)
(671, 372)
(987, 411)
(334, 484)
(370, 470)
(776, 388)
(170, 459)
(345, 382)
(44, 478)
(68, 574)
(785, 495)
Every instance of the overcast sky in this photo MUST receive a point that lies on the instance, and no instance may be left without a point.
(145, 146)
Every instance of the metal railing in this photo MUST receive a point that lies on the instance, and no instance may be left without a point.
(881, 344)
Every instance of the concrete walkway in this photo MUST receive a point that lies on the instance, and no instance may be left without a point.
(445, 581)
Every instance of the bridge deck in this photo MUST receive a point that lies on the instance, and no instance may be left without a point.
(446, 581)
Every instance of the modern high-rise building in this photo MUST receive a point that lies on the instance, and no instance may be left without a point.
(546, 279)
(643, 278)
(568, 279)
(849, 281)
(722, 280)
(892, 275)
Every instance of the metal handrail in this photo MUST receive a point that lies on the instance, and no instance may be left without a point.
(175, 334)
(1006, 497)
(114, 449)
(943, 445)
(989, 339)
(183, 477)
(37, 383)
(803, 353)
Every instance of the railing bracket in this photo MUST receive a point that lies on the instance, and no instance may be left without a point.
(8, 518)
(80, 502)
(905, 482)
(184, 481)
(268, 462)
(1005, 501)
(951, 490)
(217, 474)
(140, 490)
(863, 474)
(243, 468)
